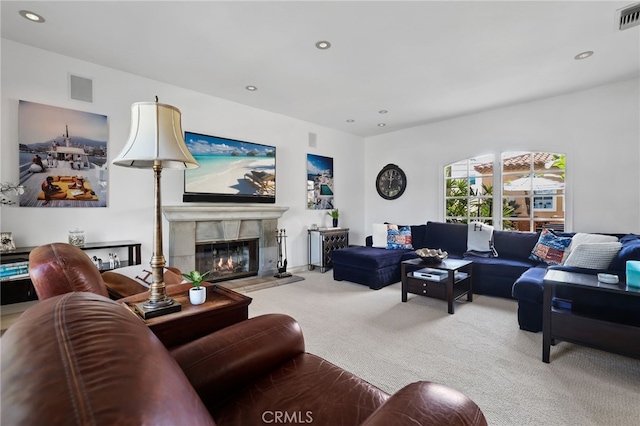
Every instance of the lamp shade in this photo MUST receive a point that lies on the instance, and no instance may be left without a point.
(155, 138)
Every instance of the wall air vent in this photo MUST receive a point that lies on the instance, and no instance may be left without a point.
(628, 17)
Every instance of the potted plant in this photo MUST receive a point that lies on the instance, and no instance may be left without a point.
(197, 293)
(334, 215)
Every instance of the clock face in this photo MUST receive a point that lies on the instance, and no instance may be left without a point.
(391, 182)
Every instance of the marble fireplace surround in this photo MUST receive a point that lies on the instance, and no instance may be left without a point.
(192, 224)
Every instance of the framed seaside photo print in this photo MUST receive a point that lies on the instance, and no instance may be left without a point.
(62, 156)
(319, 182)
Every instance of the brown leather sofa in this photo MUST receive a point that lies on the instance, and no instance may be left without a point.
(82, 359)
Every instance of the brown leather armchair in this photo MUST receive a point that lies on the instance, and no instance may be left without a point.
(59, 268)
(80, 358)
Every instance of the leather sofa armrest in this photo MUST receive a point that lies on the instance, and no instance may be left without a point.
(426, 403)
(221, 363)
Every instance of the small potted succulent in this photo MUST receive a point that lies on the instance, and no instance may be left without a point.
(334, 215)
(197, 293)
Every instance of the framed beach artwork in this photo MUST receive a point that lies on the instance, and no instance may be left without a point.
(231, 170)
(62, 156)
(319, 182)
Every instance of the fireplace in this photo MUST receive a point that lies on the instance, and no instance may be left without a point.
(227, 260)
(194, 225)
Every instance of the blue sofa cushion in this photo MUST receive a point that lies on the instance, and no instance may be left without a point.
(419, 236)
(529, 286)
(630, 251)
(514, 244)
(368, 257)
(450, 237)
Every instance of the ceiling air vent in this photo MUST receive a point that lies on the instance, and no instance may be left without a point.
(629, 16)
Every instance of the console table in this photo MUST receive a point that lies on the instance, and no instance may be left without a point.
(222, 308)
(17, 289)
(589, 330)
(322, 242)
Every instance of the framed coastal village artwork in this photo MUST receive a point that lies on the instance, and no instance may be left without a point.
(62, 156)
(319, 182)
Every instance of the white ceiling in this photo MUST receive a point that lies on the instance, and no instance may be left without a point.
(423, 61)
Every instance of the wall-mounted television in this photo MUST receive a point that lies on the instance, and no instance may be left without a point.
(230, 171)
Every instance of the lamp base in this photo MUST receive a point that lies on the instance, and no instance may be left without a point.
(147, 310)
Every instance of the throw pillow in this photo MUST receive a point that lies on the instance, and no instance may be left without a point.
(480, 240)
(581, 238)
(379, 234)
(593, 255)
(399, 238)
(550, 248)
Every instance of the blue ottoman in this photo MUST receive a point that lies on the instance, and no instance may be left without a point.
(373, 267)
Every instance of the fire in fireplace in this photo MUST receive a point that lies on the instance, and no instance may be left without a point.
(228, 259)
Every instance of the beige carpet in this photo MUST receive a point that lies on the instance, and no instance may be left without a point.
(479, 350)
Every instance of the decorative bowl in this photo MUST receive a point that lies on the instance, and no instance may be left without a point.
(432, 255)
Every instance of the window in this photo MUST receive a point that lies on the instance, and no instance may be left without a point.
(532, 193)
(469, 190)
(533, 186)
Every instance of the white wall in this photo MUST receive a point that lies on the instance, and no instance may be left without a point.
(39, 76)
(598, 129)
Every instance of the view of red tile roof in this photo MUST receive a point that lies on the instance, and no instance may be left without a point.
(519, 162)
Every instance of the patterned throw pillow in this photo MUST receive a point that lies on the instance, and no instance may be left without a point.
(399, 238)
(550, 248)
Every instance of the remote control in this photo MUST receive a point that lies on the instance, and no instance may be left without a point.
(608, 278)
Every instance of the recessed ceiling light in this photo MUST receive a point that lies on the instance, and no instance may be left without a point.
(251, 88)
(34, 17)
(583, 55)
(381, 124)
(383, 111)
(323, 45)
(350, 120)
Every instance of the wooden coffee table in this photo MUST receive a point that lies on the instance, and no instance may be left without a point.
(449, 289)
(222, 308)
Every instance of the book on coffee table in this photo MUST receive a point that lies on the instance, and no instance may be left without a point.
(431, 274)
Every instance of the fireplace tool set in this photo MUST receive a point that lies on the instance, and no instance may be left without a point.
(281, 239)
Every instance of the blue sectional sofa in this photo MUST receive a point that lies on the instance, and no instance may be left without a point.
(510, 275)
(378, 267)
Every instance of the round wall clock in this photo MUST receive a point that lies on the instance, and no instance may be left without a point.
(391, 182)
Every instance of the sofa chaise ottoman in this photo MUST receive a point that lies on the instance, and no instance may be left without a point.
(370, 266)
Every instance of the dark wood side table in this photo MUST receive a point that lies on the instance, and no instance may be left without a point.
(449, 289)
(222, 308)
(586, 330)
